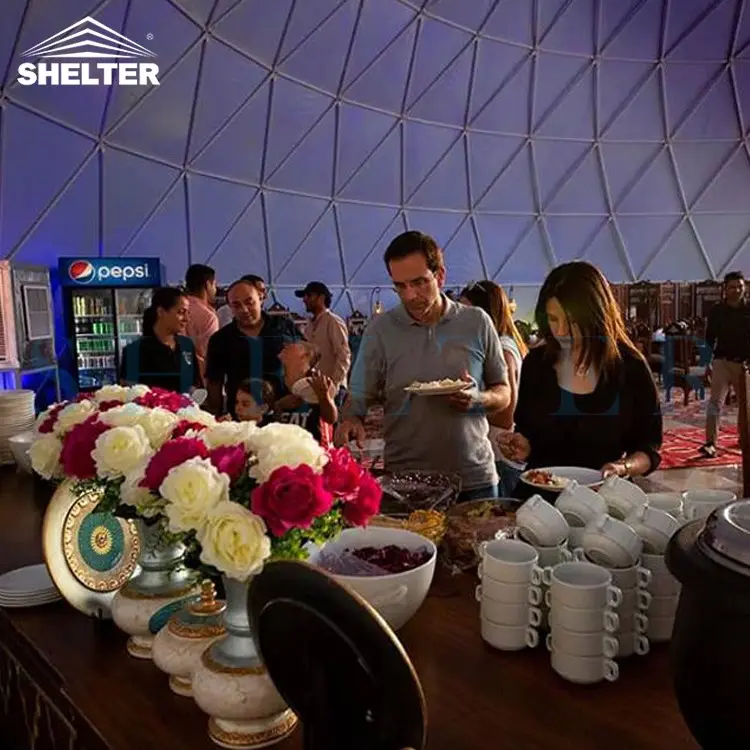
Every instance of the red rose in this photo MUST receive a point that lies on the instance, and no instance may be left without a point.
(186, 426)
(359, 510)
(171, 454)
(78, 445)
(160, 398)
(291, 499)
(107, 405)
(49, 424)
(230, 460)
(342, 473)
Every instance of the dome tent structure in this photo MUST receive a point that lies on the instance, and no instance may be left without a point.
(293, 138)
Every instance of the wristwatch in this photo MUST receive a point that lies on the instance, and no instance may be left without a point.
(626, 465)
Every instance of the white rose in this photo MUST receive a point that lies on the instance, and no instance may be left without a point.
(158, 424)
(136, 391)
(234, 540)
(120, 450)
(73, 414)
(279, 445)
(42, 418)
(192, 489)
(142, 499)
(194, 414)
(111, 393)
(127, 415)
(45, 456)
(229, 433)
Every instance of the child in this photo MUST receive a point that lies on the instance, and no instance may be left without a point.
(254, 399)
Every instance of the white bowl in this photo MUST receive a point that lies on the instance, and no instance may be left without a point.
(397, 596)
(19, 447)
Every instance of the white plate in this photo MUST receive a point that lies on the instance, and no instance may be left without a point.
(585, 477)
(444, 390)
(31, 579)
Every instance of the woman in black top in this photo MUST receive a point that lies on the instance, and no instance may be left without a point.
(162, 357)
(587, 397)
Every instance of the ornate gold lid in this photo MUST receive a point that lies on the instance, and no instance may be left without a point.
(202, 617)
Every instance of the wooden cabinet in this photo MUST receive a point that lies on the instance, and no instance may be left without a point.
(707, 294)
(667, 312)
(643, 303)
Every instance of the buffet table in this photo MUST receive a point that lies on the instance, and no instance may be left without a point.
(66, 680)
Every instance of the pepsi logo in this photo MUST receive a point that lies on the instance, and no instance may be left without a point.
(81, 271)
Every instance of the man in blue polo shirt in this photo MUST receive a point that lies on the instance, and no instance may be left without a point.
(429, 337)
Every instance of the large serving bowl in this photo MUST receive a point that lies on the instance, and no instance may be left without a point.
(19, 447)
(397, 596)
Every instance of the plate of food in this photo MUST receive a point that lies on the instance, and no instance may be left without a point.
(557, 478)
(443, 387)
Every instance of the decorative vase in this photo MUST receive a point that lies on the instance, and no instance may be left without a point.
(232, 686)
(178, 647)
(144, 604)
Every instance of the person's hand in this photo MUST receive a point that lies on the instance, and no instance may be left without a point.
(321, 385)
(348, 430)
(614, 469)
(465, 399)
(514, 446)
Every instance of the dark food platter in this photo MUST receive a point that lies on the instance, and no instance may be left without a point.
(407, 491)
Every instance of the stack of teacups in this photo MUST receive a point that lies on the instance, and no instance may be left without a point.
(582, 601)
(579, 506)
(16, 416)
(701, 503)
(622, 497)
(506, 571)
(670, 502)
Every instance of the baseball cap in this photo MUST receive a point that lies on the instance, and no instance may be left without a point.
(314, 287)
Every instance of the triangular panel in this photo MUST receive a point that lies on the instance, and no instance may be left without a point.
(362, 229)
(656, 192)
(371, 269)
(698, 162)
(573, 117)
(554, 73)
(382, 85)
(570, 236)
(159, 126)
(573, 31)
(488, 156)
(236, 150)
(495, 62)
(320, 59)
(12, 14)
(708, 41)
(691, 266)
(360, 132)
(512, 193)
(743, 36)
(715, 117)
(623, 162)
(506, 111)
(549, 13)
(440, 225)
(686, 16)
(309, 168)
(740, 70)
(498, 235)
(511, 21)
(731, 189)
(684, 85)
(641, 119)
(582, 193)
(227, 79)
(33, 148)
(554, 160)
(214, 207)
(739, 261)
(530, 262)
(244, 250)
(424, 146)
(379, 179)
(255, 27)
(618, 81)
(468, 15)
(319, 253)
(446, 187)
(308, 18)
(643, 236)
(722, 235)
(69, 229)
(612, 15)
(604, 253)
(463, 259)
(640, 38)
(127, 204)
(200, 10)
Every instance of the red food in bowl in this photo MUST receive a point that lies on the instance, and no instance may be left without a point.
(392, 558)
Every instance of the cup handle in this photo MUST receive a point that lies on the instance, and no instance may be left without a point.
(536, 596)
(479, 571)
(641, 622)
(391, 598)
(611, 647)
(689, 512)
(644, 577)
(611, 621)
(611, 670)
(642, 645)
(644, 600)
(535, 617)
(532, 637)
(579, 554)
(478, 593)
(537, 576)
(566, 555)
(548, 642)
(548, 597)
(547, 576)
(614, 597)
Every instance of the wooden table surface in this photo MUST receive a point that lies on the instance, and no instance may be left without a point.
(477, 697)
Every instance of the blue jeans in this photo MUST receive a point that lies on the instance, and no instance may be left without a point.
(509, 477)
(480, 493)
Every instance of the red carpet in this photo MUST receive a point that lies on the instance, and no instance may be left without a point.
(681, 444)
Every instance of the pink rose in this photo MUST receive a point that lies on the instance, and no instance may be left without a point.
(107, 405)
(186, 426)
(342, 473)
(291, 499)
(78, 445)
(171, 454)
(230, 460)
(49, 424)
(359, 510)
(169, 400)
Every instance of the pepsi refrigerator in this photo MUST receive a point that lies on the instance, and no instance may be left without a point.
(104, 300)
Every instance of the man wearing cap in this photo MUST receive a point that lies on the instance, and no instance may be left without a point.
(328, 333)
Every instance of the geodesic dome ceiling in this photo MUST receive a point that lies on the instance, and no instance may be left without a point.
(293, 138)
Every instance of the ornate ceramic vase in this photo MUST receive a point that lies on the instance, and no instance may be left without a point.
(178, 647)
(233, 687)
(145, 603)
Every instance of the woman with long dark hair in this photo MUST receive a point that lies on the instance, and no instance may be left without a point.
(163, 357)
(491, 297)
(587, 397)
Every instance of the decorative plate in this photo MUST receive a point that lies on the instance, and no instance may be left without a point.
(89, 555)
(556, 478)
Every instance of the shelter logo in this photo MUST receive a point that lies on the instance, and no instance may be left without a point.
(89, 40)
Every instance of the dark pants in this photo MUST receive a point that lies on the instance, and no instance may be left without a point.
(508, 479)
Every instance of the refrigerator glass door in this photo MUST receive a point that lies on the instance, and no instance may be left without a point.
(131, 304)
(94, 330)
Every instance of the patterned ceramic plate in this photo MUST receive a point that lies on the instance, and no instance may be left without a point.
(89, 555)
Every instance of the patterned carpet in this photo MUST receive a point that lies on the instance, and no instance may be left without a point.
(681, 444)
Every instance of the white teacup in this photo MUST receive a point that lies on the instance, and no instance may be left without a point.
(612, 543)
(501, 613)
(584, 670)
(580, 505)
(548, 556)
(508, 593)
(582, 644)
(656, 564)
(663, 606)
(582, 620)
(632, 643)
(670, 502)
(622, 497)
(660, 629)
(655, 527)
(509, 638)
(635, 600)
(664, 584)
(582, 585)
(701, 503)
(507, 560)
(540, 523)
(632, 622)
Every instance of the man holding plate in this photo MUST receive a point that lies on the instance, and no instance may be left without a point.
(404, 356)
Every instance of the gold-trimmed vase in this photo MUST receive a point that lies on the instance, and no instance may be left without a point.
(232, 686)
(143, 606)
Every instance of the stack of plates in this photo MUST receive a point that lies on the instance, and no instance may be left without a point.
(27, 587)
(16, 416)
